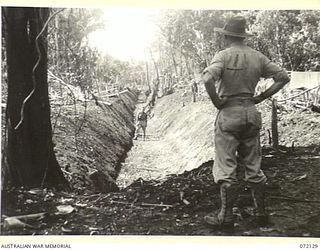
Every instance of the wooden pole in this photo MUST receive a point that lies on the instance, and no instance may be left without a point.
(274, 126)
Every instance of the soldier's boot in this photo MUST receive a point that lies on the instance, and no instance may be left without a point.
(223, 219)
(258, 195)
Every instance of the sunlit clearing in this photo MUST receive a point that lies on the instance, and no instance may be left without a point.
(128, 33)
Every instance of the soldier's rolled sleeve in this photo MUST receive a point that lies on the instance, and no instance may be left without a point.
(282, 77)
(216, 67)
(272, 70)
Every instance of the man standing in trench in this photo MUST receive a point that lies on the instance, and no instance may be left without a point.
(237, 70)
(142, 121)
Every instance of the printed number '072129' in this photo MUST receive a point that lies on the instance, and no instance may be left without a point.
(311, 246)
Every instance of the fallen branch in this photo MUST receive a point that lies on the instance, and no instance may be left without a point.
(19, 221)
(12, 222)
(149, 169)
(115, 94)
(285, 198)
(106, 103)
(283, 100)
(296, 102)
(37, 216)
(99, 101)
(155, 205)
(92, 196)
(300, 106)
(66, 172)
(142, 204)
(121, 202)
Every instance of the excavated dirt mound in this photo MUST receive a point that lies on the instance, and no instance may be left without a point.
(297, 127)
(179, 137)
(91, 139)
(95, 139)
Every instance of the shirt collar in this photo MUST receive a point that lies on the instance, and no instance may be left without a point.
(237, 44)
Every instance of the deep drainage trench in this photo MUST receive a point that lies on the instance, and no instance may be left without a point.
(179, 138)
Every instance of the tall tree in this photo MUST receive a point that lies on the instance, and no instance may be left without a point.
(31, 161)
(289, 37)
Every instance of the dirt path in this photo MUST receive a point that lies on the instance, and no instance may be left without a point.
(179, 138)
(148, 159)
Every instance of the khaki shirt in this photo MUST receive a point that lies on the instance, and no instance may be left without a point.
(142, 116)
(239, 68)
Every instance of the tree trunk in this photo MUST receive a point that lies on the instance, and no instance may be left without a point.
(31, 161)
(187, 64)
(156, 69)
(147, 75)
(181, 63)
(56, 39)
(174, 63)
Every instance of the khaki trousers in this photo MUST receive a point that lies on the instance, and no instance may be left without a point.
(237, 130)
(141, 125)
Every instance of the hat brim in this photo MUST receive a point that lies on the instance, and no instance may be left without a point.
(228, 33)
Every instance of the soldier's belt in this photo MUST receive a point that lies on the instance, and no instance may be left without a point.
(241, 101)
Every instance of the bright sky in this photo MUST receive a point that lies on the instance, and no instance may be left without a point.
(128, 33)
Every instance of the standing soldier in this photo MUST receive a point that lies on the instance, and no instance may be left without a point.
(194, 89)
(237, 70)
(147, 93)
(142, 119)
(153, 97)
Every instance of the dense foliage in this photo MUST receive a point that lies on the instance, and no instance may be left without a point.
(186, 43)
(78, 64)
(290, 38)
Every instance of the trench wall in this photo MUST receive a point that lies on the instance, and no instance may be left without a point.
(93, 138)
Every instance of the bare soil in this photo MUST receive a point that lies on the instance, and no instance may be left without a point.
(166, 184)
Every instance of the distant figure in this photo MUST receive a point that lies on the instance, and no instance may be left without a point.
(147, 93)
(153, 97)
(142, 120)
(194, 90)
